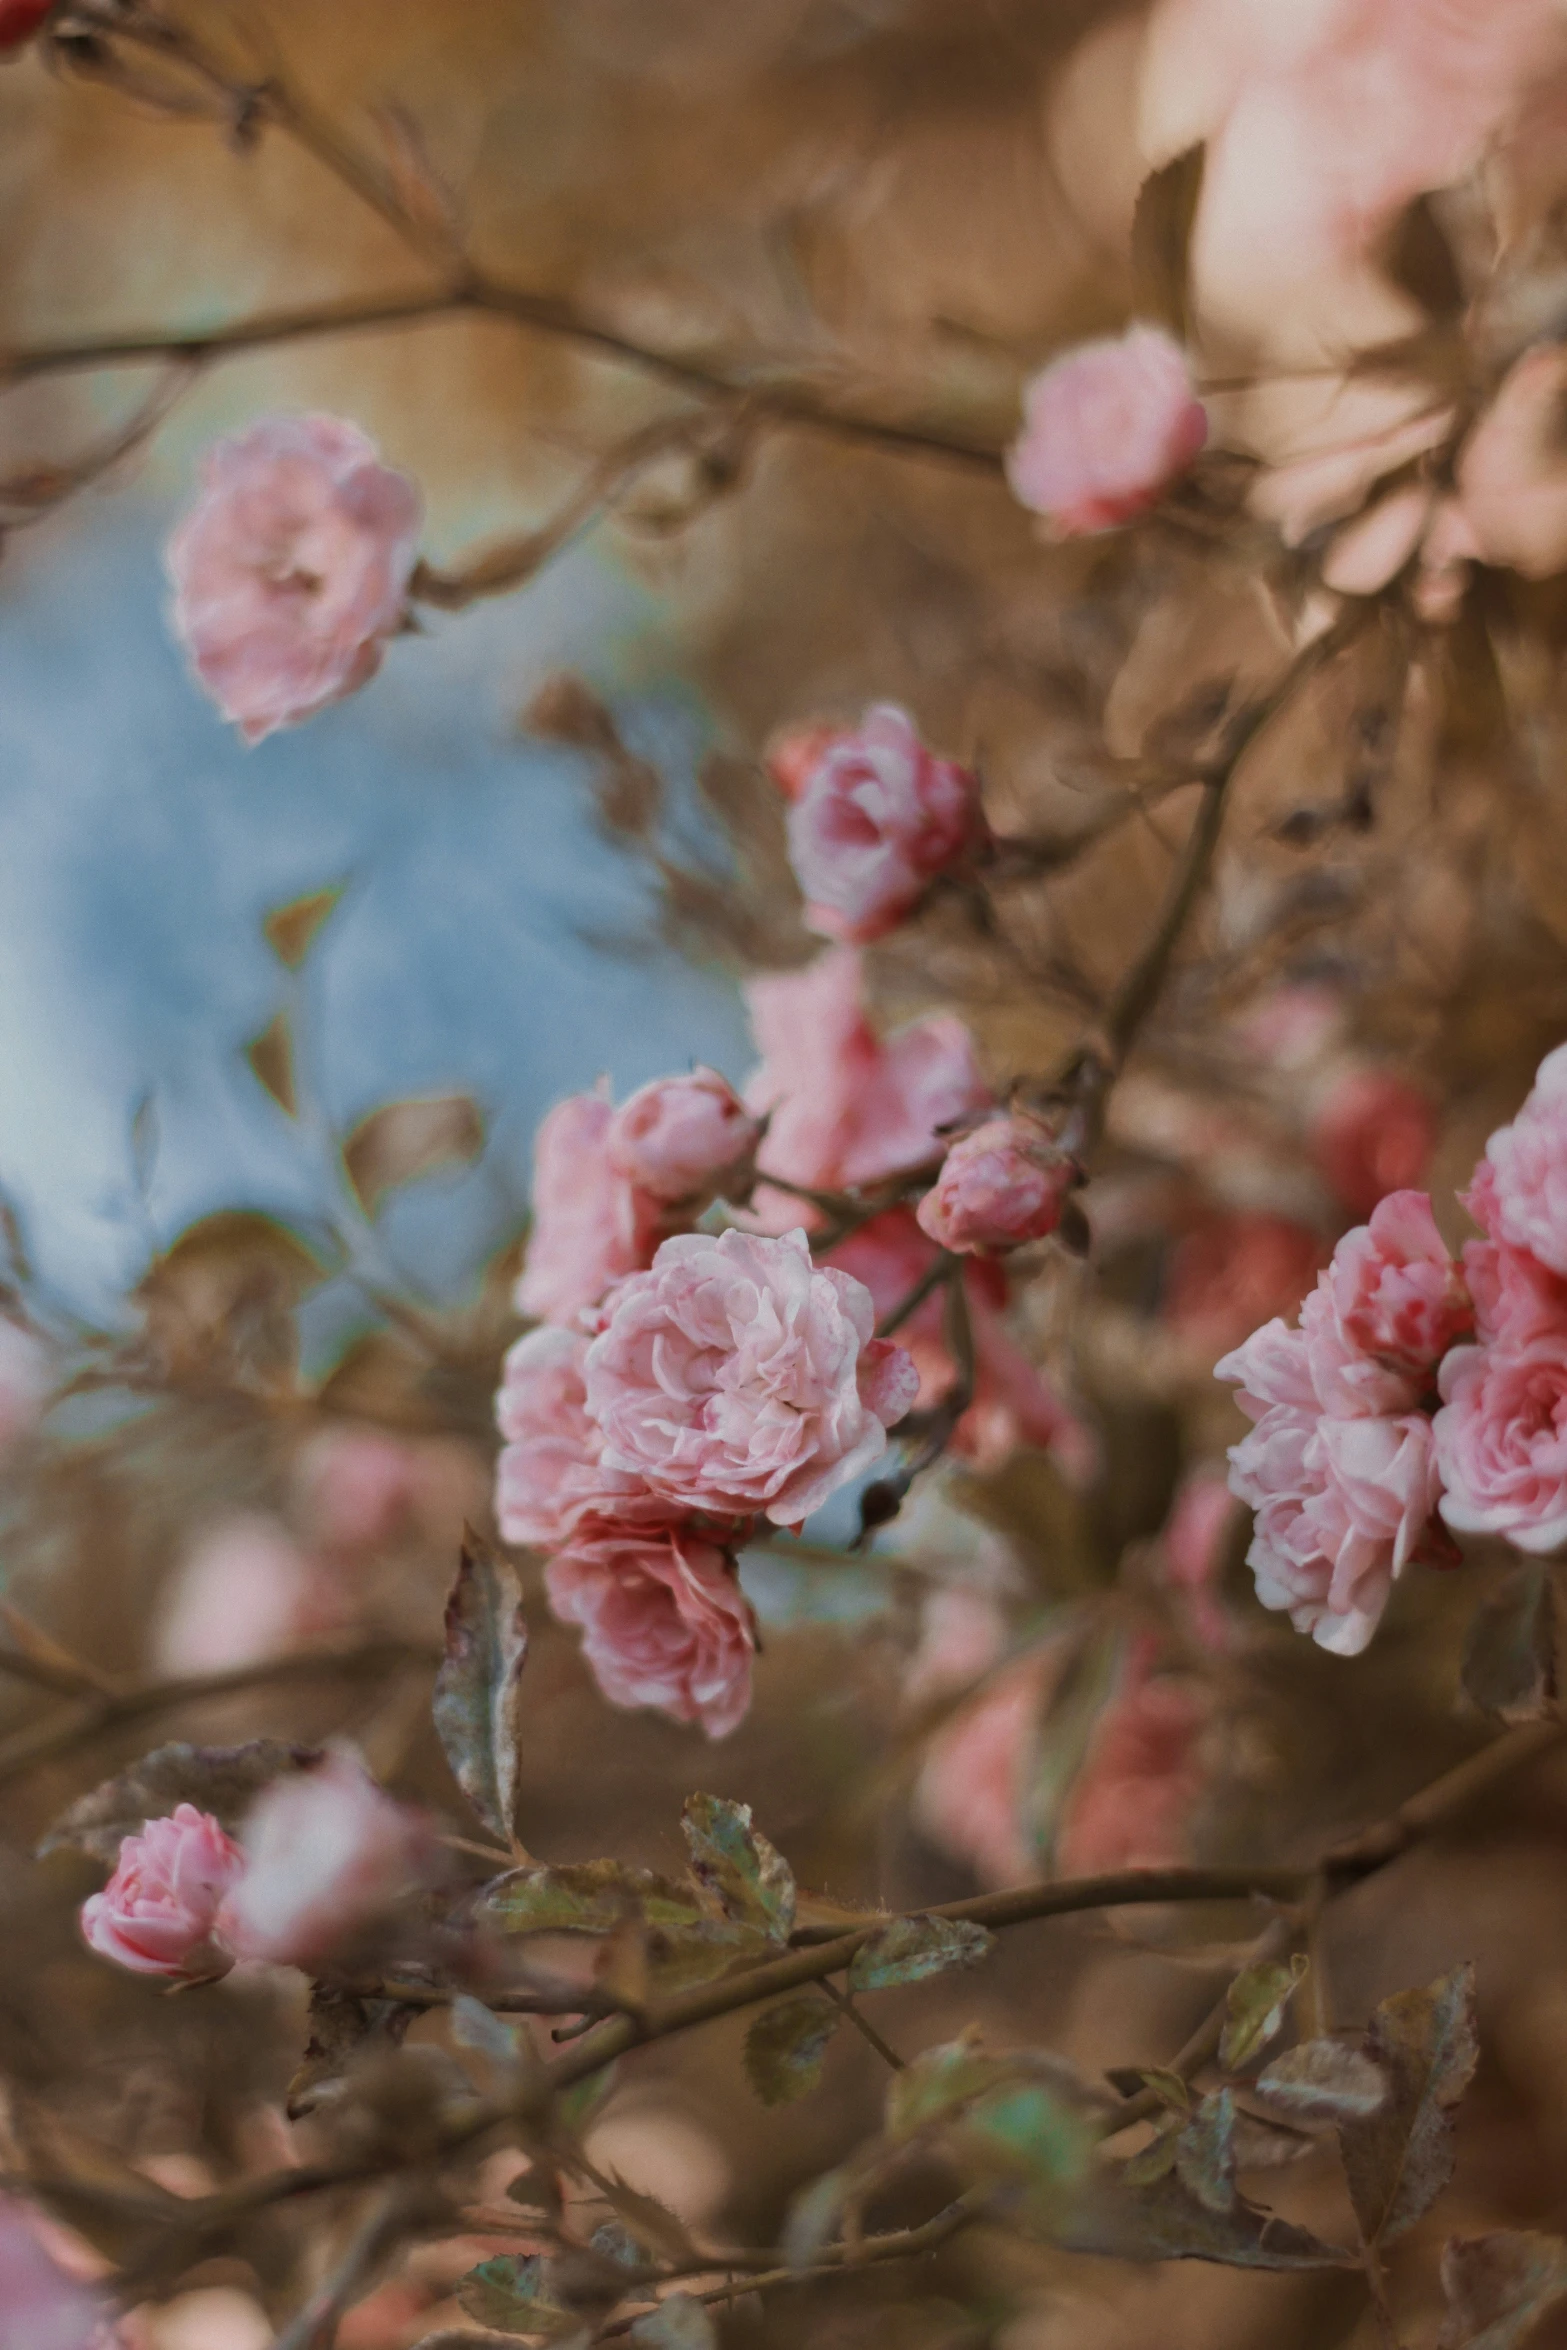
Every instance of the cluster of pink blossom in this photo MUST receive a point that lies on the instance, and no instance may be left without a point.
(1416, 1390)
(1106, 429)
(323, 1854)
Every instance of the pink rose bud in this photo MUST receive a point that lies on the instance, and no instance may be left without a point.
(1520, 1189)
(1106, 429)
(20, 19)
(737, 1377)
(1396, 1293)
(551, 1471)
(665, 1622)
(587, 1228)
(327, 1853)
(685, 1140)
(1372, 1133)
(42, 2307)
(875, 818)
(1501, 1442)
(1005, 1183)
(291, 570)
(157, 1912)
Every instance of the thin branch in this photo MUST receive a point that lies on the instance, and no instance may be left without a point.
(315, 2327)
(862, 2024)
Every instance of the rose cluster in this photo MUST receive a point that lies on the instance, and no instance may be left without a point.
(1418, 1395)
(323, 1854)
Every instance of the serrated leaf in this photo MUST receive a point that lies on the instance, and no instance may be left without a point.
(1120, 2220)
(736, 1866)
(271, 1057)
(477, 1706)
(678, 2323)
(1162, 226)
(223, 1780)
(341, 2029)
(1168, 2087)
(406, 1140)
(1261, 2144)
(507, 2293)
(1322, 2081)
(587, 1897)
(1509, 1661)
(290, 930)
(1205, 2152)
(1254, 2010)
(785, 2047)
(652, 2224)
(1498, 2287)
(913, 1948)
(940, 2081)
(1398, 2158)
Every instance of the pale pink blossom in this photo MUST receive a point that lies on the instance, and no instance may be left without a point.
(1106, 429)
(876, 816)
(1396, 1294)
(664, 1621)
(1371, 1133)
(1501, 1438)
(736, 1376)
(327, 1852)
(972, 1795)
(1131, 1804)
(356, 1486)
(244, 1590)
(848, 1106)
(291, 570)
(1520, 1191)
(1512, 470)
(42, 2306)
(685, 1140)
(1516, 1298)
(1196, 1540)
(588, 1225)
(158, 1912)
(1005, 1183)
(1271, 1368)
(962, 1634)
(551, 1473)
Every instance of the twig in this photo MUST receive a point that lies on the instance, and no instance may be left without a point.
(315, 2327)
(931, 1279)
(862, 2024)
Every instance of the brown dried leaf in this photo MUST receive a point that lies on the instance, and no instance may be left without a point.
(1509, 1663)
(271, 1056)
(223, 1780)
(408, 1139)
(1162, 2221)
(225, 1295)
(1161, 240)
(786, 2045)
(341, 2028)
(1322, 2081)
(1498, 2287)
(1398, 2158)
(477, 1705)
(290, 930)
(746, 1878)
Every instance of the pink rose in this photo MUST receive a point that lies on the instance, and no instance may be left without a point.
(1372, 1133)
(1396, 1293)
(1106, 429)
(1501, 1442)
(41, 2306)
(244, 1590)
(1271, 1369)
(1004, 1184)
(356, 1486)
(685, 1140)
(1520, 1188)
(1197, 1535)
(551, 1473)
(20, 19)
(157, 1913)
(1131, 1803)
(664, 1621)
(736, 1376)
(588, 1225)
(875, 817)
(971, 1798)
(1516, 1298)
(1230, 1271)
(326, 1853)
(848, 1106)
(291, 570)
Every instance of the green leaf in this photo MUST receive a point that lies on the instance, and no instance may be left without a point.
(678, 2323)
(1205, 2152)
(1157, 2158)
(1161, 240)
(940, 2081)
(290, 930)
(1509, 1661)
(1162, 2220)
(587, 1897)
(223, 1780)
(478, 1691)
(785, 2047)
(271, 1057)
(1254, 2011)
(651, 2223)
(1498, 2286)
(912, 1948)
(813, 2217)
(736, 1866)
(1398, 2158)
(1322, 2081)
(506, 2293)
(406, 1140)
(1034, 2130)
(1168, 2087)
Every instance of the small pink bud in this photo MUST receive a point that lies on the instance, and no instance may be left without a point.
(327, 1852)
(875, 817)
(157, 1912)
(1005, 1183)
(685, 1140)
(291, 570)
(1106, 429)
